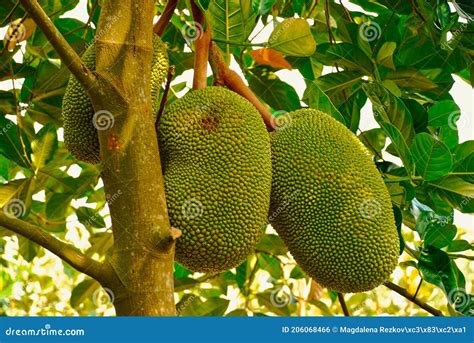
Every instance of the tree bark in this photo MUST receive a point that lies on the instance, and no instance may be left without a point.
(143, 252)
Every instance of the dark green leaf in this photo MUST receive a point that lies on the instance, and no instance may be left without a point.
(90, 218)
(432, 157)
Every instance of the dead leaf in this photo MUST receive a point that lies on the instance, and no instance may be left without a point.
(270, 57)
(19, 31)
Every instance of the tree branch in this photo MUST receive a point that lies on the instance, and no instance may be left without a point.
(70, 58)
(165, 17)
(403, 292)
(231, 79)
(201, 53)
(340, 296)
(65, 251)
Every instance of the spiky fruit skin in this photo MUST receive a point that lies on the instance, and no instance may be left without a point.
(330, 205)
(80, 133)
(217, 167)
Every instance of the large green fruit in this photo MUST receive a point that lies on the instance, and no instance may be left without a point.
(330, 205)
(217, 166)
(80, 133)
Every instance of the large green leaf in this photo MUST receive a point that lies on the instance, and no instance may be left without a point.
(352, 57)
(10, 144)
(445, 112)
(293, 37)
(44, 146)
(276, 93)
(454, 184)
(231, 21)
(335, 83)
(432, 157)
(317, 99)
(400, 146)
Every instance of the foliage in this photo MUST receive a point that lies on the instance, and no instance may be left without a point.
(398, 60)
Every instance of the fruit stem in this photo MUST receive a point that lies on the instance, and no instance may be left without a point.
(171, 71)
(225, 76)
(201, 51)
(340, 296)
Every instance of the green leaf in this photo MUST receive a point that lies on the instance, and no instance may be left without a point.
(90, 218)
(237, 313)
(411, 79)
(297, 273)
(293, 37)
(440, 236)
(27, 248)
(374, 140)
(390, 109)
(385, 54)
(454, 184)
(262, 7)
(272, 244)
(351, 57)
(276, 93)
(10, 144)
(444, 112)
(432, 157)
(57, 206)
(84, 290)
(460, 245)
(400, 145)
(231, 21)
(335, 83)
(44, 146)
(271, 265)
(398, 222)
(317, 99)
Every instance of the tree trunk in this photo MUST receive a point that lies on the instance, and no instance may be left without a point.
(143, 245)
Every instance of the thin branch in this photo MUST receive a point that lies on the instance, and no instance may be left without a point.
(232, 80)
(413, 6)
(171, 71)
(403, 292)
(70, 58)
(165, 17)
(340, 296)
(65, 251)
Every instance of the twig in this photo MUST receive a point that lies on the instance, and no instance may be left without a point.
(18, 118)
(201, 53)
(165, 17)
(413, 6)
(403, 292)
(171, 71)
(340, 296)
(71, 59)
(65, 251)
(328, 22)
(232, 80)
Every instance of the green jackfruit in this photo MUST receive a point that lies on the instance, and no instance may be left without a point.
(80, 133)
(217, 167)
(330, 205)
